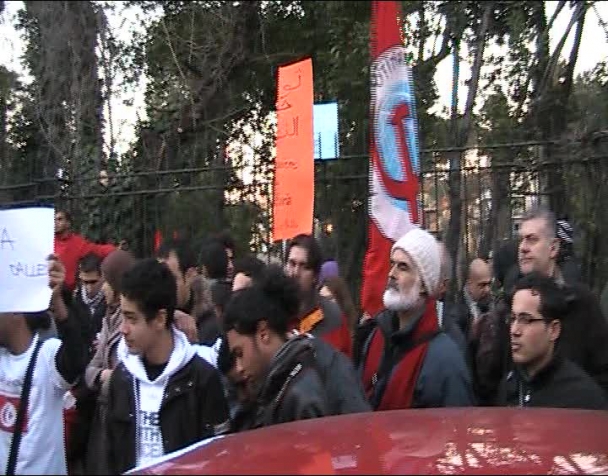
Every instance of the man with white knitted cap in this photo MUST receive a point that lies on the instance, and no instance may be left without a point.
(407, 362)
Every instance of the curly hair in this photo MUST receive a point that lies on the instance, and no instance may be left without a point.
(274, 299)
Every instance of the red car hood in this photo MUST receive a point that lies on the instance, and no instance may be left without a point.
(431, 441)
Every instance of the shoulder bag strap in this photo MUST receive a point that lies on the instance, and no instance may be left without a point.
(21, 412)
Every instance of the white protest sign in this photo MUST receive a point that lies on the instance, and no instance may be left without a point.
(26, 240)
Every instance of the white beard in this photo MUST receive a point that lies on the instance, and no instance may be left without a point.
(396, 301)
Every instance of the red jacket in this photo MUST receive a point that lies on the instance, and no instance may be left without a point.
(71, 248)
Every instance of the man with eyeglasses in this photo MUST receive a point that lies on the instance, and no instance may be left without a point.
(88, 305)
(318, 315)
(584, 330)
(542, 376)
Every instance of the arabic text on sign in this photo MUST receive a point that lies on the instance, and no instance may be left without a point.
(290, 131)
(288, 164)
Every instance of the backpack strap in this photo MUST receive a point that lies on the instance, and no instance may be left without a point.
(21, 412)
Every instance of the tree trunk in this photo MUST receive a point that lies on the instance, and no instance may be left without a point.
(461, 133)
(552, 106)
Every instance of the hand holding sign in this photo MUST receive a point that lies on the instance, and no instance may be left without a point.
(26, 238)
(56, 274)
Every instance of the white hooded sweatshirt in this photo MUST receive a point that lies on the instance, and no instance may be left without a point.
(209, 352)
(149, 395)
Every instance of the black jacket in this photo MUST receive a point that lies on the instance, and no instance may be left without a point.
(454, 315)
(91, 323)
(561, 384)
(584, 335)
(193, 408)
(292, 390)
(86, 399)
(71, 358)
(491, 353)
(342, 384)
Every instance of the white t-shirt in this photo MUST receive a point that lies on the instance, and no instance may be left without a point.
(42, 449)
(150, 435)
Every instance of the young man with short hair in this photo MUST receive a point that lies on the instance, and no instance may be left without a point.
(89, 301)
(180, 258)
(318, 315)
(214, 261)
(89, 306)
(542, 376)
(70, 247)
(162, 397)
(281, 372)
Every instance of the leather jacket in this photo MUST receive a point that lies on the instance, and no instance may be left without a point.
(292, 389)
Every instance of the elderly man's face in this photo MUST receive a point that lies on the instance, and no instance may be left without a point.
(404, 287)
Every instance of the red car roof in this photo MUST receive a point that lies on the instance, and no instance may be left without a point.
(430, 441)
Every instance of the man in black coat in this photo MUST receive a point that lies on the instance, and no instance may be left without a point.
(542, 377)
(162, 396)
(584, 332)
(280, 372)
(89, 306)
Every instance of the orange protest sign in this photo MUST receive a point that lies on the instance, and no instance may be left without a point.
(294, 162)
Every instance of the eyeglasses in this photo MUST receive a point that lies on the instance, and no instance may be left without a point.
(523, 319)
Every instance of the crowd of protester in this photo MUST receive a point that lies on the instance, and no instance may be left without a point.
(137, 358)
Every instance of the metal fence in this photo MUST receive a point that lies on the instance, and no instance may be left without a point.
(498, 183)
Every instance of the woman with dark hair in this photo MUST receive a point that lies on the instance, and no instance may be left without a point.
(281, 371)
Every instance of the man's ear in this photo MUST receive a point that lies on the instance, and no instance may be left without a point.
(161, 319)
(555, 329)
(263, 331)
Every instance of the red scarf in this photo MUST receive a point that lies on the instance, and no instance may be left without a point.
(399, 391)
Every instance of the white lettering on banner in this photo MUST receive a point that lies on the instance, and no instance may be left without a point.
(26, 239)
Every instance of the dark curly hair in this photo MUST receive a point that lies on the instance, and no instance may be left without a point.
(151, 285)
(274, 299)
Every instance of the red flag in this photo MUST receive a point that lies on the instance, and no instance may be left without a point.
(158, 238)
(393, 182)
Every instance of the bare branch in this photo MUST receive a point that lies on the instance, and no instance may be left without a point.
(560, 7)
(554, 60)
(476, 70)
(574, 51)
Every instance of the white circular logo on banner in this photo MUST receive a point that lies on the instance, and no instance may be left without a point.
(393, 199)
